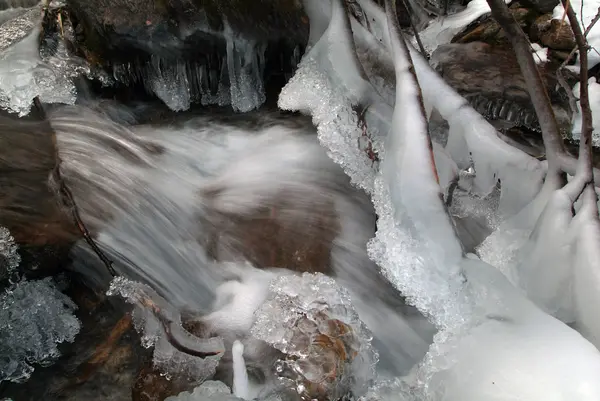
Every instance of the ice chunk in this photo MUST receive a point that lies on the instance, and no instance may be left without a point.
(9, 256)
(160, 326)
(515, 351)
(24, 75)
(441, 30)
(207, 391)
(311, 320)
(35, 318)
(240, 374)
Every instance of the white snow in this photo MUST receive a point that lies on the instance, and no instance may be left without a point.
(540, 53)
(594, 96)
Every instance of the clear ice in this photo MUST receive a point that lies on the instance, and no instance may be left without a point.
(25, 75)
(35, 317)
(310, 319)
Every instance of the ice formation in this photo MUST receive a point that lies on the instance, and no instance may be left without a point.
(36, 317)
(24, 75)
(441, 30)
(236, 79)
(159, 322)
(246, 64)
(488, 326)
(328, 351)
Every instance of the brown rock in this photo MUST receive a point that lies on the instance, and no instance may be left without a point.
(552, 33)
(281, 236)
(491, 73)
(487, 30)
(28, 207)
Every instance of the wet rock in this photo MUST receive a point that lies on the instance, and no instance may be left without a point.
(486, 29)
(552, 33)
(29, 208)
(489, 75)
(180, 28)
(270, 237)
(151, 385)
(543, 6)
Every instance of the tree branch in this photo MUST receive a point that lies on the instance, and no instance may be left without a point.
(585, 142)
(537, 91)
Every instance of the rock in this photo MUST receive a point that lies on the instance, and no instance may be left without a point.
(266, 239)
(489, 75)
(29, 208)
(552, 33)
(543, 6)
(486, 29)
(150, 385)
(172, 29)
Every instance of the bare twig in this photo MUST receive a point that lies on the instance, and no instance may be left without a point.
(585, 142)
(559, 75)
(414, 28)
(537, 91)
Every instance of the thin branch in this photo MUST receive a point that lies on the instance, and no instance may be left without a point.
(414, 28)
(390, 7)
(585, 142)
(559, 75)
(537, 91)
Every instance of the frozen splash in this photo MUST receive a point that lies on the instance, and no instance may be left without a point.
(35, 317)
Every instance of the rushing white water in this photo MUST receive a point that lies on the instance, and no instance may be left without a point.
(160, 194)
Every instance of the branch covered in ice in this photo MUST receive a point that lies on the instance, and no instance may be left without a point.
(169, 320)
(537, 90)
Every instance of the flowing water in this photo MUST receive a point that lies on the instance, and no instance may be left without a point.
(183, 205)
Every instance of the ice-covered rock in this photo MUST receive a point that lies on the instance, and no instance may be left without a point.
(328, 349)
(24, 75)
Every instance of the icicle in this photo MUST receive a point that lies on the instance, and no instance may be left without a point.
(240, 374)
(245, 70)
